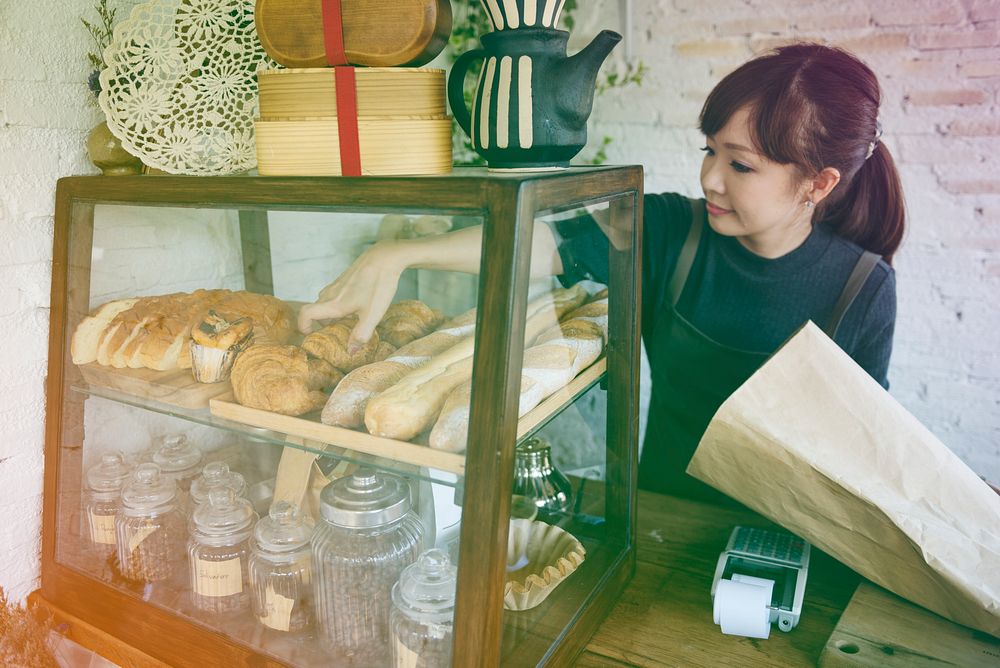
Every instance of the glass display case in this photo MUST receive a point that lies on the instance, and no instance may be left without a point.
(224, 489)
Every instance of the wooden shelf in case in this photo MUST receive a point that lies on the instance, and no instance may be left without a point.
(176, 387)
(400, 451)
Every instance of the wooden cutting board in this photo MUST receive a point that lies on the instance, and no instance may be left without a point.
(377, 33)
(176, 387)
(880, 629)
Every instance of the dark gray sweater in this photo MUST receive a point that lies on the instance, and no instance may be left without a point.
(740, 299)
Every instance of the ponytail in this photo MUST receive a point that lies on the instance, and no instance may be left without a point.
(871, 211)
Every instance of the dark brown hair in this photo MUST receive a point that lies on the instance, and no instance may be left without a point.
(816, 106)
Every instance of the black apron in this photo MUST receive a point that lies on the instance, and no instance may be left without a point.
(692, 375)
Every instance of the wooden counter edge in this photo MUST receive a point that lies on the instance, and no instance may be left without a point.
(92, 638)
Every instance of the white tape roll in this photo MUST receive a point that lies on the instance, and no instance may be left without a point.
(741, 608)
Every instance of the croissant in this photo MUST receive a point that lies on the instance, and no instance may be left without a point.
(407, 321)
(281, 379)
(330, 343)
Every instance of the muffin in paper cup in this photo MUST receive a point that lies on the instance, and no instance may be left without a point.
(539, 557)
(212, 365)
(215, 342)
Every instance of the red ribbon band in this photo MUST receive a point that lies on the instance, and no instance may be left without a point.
(346, 88)
(333, 33)
(347, 121)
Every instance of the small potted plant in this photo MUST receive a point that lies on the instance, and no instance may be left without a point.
(103, 147)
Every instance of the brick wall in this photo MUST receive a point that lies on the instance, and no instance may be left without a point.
(937, 61)
(939, 65)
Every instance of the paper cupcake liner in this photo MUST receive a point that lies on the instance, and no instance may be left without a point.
(212, 365)
(551, 555)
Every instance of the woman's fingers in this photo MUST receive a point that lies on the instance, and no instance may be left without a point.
(309, 314)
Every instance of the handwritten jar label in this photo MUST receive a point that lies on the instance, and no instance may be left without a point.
(218, 578)
(403, 656)
(138, 534)
(102, 529)
(277, 610)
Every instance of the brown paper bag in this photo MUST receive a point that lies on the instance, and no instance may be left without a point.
(813, 443)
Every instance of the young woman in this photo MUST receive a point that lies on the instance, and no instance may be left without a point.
(802, 213)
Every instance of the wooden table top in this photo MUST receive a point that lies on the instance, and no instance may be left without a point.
(664, 618)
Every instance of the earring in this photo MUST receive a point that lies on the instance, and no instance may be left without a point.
(810, 204)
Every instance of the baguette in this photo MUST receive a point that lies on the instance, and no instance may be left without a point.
(411, 405)
(346, 406)
(558, 356)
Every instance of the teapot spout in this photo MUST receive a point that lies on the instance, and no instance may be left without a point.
(579, 73)
(592, 56)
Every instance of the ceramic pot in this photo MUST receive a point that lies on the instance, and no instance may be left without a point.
(514, 14)
(533, 101)
(106, 152)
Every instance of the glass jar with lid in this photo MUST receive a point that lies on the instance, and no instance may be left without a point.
(536, 478)
(149, 527)
(281, 569)
(219, 551)
(215, 474)
(368, 534)
(178, 459)
(423, 607)
(101, 498)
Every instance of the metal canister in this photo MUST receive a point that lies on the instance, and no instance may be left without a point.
(536, 478)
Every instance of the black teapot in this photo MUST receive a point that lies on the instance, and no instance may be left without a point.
(532, 101)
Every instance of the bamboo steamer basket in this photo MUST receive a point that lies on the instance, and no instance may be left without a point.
(403, 126)
(301, 93)
(390, 146)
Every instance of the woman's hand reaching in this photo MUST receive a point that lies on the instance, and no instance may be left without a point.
(365, 289)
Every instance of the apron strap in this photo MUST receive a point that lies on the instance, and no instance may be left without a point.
(688, 251)
(862, 269)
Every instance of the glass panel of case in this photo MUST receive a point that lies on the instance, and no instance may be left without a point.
(141, 506)
(144, 442)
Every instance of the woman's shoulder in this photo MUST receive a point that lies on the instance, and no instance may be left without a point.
(882, 274)
(876, 299)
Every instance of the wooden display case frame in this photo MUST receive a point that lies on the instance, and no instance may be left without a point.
(509, 204)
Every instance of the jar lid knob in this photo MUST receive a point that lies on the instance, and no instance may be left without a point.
(221, 496)
(214, 471)
(147, 473)
(284, 513)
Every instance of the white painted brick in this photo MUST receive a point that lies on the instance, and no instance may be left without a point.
(918, 13)
(984, 10)
(963, 39)
(822, 19)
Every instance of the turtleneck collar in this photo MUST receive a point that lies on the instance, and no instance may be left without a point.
(802, 257)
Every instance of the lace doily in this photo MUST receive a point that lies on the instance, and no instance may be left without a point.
(180, 86)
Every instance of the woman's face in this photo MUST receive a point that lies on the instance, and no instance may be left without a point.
(761, 203)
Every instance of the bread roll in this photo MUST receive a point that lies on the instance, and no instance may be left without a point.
(411, 405)
(281, 379)
(346, 406)
(559, 354)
